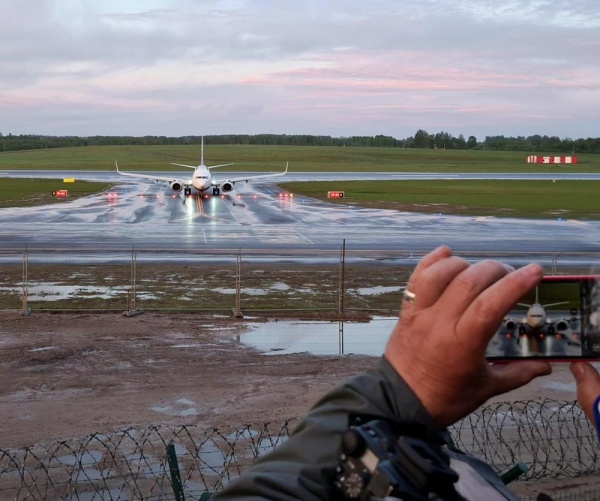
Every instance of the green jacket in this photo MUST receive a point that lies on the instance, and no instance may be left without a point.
(303, 468)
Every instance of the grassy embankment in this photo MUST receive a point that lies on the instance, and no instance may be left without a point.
(567, 199)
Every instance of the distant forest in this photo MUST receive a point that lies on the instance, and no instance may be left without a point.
(421, 139)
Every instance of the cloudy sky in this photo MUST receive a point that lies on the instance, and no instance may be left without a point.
(331, 67)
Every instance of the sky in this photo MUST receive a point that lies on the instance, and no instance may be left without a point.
(324, 67)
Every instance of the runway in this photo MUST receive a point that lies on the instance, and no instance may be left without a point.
(259, 216)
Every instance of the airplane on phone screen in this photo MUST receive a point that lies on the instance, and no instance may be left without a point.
(201, 179)
(537, 319)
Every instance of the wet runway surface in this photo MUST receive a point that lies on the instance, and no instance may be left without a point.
(260, 216)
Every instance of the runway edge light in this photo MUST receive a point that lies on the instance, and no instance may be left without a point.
(335, 194)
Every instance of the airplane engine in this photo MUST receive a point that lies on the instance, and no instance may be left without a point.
(510, 325)
(176, 186)
(561, 325)
(226, 186)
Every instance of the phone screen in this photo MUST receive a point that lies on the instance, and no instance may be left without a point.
(558, 320)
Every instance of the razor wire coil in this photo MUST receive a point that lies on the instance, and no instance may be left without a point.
(553, 438)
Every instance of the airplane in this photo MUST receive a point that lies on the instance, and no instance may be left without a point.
(202, 179)
(537, 321)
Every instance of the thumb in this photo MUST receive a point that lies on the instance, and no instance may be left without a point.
(508, 377)
(588, 386)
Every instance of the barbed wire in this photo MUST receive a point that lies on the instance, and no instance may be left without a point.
(552, 438)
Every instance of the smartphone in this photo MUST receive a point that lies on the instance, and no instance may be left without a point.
(557, 321)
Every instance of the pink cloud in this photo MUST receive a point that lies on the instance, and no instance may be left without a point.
(402, 72)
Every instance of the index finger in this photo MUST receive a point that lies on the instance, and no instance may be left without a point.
(430, 259)
(487, 310)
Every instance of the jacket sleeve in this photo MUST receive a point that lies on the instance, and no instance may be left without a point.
(303, 467)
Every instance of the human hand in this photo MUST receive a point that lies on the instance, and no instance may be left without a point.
(438, 344)
(588, 386)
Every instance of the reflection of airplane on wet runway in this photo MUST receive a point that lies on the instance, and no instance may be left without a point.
(202, 179)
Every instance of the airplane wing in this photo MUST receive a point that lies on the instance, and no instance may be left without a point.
(251, 178)
(183, 165)
(215, 166)
(152, 178)
(195, 166)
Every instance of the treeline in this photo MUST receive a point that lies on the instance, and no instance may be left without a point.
(421, 139)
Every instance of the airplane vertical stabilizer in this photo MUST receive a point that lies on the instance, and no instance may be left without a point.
(202, 151)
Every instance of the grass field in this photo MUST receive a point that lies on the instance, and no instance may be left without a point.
(567, 199)
(28, 192)
(531, 199)
(273, 158)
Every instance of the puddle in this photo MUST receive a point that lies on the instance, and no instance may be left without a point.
(375, 291)
(44, 348)
(181, 407)
(319, 337)
(53, 291)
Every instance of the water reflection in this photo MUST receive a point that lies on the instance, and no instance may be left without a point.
(319, 337)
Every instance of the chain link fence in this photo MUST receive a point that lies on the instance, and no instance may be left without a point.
(552, 438)
(285, 281)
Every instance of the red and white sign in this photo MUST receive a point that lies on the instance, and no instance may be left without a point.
(539, 159)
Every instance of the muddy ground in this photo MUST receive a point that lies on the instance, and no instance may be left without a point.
(70, 375)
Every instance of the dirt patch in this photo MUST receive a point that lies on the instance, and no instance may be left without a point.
(69, 375)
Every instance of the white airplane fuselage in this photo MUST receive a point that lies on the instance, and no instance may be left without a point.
(536, 316)
(201, 179)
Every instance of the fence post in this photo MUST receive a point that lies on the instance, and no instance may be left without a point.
(515, 472)
(237, 310)
(133, 278)
(24, 309)
(341, 336)
(175, 475)
(342, 272)
(131, 292)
